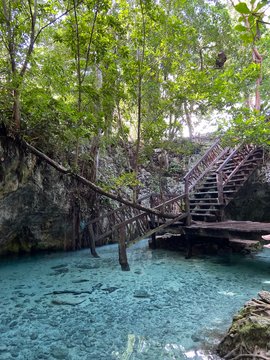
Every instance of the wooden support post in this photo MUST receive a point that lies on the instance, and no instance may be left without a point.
(76, 241)
(92, 242)
(220, 188)
(122, 249)
(153, 236)
(189, 247)
(187, 203)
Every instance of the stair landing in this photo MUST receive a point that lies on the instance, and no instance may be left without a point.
(244, 230)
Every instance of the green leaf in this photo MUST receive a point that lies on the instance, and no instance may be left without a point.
(259, 7)
(247, 38)
(242, 8)
(240, 28)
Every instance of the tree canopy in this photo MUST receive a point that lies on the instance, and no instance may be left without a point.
(82, 73)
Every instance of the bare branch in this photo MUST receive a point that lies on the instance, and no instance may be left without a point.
(90, 42)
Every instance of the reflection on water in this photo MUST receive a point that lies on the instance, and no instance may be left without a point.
(72, 306)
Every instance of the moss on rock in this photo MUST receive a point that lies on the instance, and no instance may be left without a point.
(249, 333)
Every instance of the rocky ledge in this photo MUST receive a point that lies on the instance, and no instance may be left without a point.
(249, 334)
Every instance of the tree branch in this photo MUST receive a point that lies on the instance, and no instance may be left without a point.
(90, 42)
(91, 185)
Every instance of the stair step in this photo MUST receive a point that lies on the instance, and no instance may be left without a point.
(238, 177)
(245, 242)
(204, 217)
(210, 181)
(204, 204)
(203, 211)
(197, 201)
(231, 187)
(236, 181)
(214, 192)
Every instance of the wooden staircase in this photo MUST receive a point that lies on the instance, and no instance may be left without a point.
(216, 178)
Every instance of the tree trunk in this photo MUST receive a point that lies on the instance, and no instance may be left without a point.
(139, 103)
(189, 120)
(92, 242)
(16, 109)
(257, 58)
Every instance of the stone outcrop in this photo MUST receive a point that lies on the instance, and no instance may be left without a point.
(249, 334)
(252, 202)
(35, 210)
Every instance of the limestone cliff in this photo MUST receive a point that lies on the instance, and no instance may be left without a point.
(34, 203)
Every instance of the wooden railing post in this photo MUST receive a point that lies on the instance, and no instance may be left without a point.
(220, 187)
(122, 249)
(153, 236)
(92, 242)
(187, 203)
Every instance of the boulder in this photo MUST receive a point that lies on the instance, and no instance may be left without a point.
(249, 334)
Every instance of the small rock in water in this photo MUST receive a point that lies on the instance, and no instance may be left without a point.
(33, 336)
(87, 266)
(60, 271)
(59, 266)
(3, 348)
(80, 281)
(110, 289)
(59, 353)
(195, 338)
(141, 293)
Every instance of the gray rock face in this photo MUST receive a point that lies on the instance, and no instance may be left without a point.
(34, 203)
(252, 202)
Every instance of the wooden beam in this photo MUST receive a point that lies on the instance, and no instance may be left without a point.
(157, 229)
(122, 250)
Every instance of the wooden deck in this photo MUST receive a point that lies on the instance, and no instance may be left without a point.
(247, 230)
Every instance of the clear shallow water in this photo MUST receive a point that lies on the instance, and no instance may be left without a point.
(166, 307)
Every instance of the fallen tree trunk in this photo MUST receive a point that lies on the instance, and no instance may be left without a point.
(91, 185)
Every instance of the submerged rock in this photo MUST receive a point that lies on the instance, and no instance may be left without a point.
(141, 293)
(249, 333)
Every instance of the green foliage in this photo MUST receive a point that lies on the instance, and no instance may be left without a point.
(248, 126)
(82, 78)
(242, 8)
(128, 179)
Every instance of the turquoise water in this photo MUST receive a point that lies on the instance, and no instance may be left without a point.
(166, 307)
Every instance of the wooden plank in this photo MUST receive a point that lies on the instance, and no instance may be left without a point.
(244, 242)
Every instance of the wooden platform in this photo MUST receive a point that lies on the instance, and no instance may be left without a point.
(246, 230)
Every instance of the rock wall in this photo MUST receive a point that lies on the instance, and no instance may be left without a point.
(34, 203)
(252, 202)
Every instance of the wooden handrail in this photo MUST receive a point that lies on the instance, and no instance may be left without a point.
(202, 166)
(222, 180)
(238, 166)
(120, 208)
(216, 143)
(225, 162)
(208, 169)
(136, 217)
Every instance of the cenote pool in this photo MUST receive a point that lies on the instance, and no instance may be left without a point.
(72, 306)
